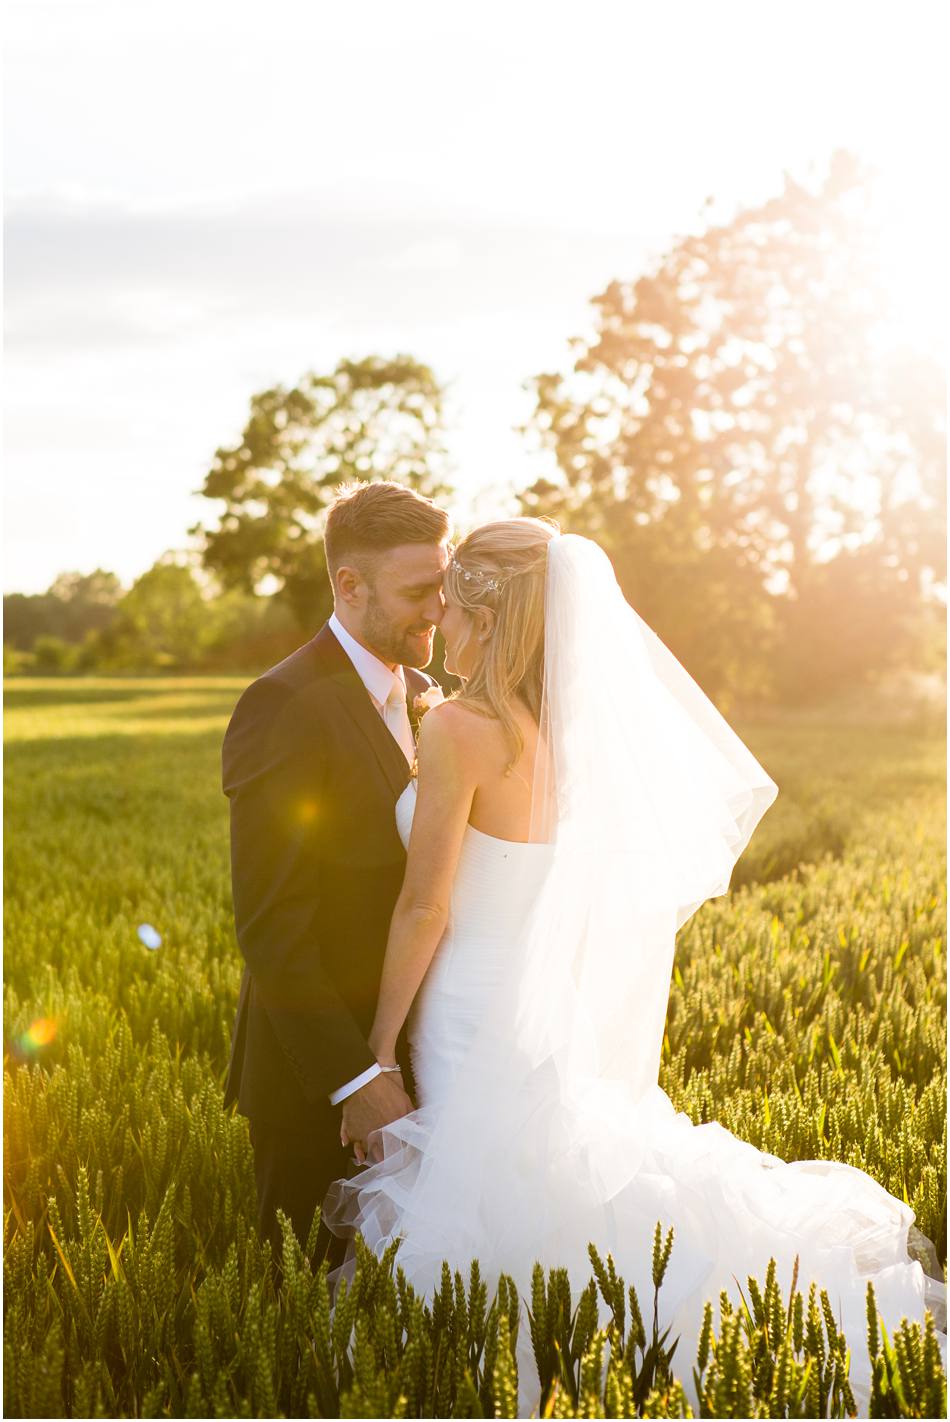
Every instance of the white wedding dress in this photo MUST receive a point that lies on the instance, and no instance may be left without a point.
(535, 1036)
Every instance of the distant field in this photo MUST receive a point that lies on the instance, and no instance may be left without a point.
(807, 1012)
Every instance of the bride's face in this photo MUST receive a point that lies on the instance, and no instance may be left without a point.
(466, 631)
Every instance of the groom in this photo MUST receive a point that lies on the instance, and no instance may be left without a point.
(317, 752)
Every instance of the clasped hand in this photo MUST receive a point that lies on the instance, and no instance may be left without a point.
(380, 1101)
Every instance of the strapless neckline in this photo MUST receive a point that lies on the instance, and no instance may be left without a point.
(405, 823)
(509, 843)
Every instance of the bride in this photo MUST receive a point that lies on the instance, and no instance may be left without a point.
(575, 804)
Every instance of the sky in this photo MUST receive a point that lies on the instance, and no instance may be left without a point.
(203, 199)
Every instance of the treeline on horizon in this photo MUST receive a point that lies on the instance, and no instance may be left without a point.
(744, 434)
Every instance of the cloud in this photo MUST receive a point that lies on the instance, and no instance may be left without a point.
(106, 274)
(68, 321)
(439, 254)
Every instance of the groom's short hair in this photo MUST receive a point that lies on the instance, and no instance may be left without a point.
(370, 518)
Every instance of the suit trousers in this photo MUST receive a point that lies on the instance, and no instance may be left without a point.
(293, 1169)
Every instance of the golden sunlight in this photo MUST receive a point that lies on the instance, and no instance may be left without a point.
(914, 245)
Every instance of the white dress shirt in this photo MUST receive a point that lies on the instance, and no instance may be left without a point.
(379, 682)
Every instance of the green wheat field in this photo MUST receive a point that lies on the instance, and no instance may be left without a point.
(807, 1014)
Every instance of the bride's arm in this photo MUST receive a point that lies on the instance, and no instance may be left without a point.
(447, 781)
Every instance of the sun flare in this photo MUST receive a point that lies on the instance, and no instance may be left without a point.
(914, 240)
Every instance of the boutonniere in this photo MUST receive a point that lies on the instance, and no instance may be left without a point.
(432, 696)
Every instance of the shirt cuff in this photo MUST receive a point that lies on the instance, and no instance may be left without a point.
(342, 1092)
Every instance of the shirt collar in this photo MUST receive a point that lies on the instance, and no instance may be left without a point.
(374, 674)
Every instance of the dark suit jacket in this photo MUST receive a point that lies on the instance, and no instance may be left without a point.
(313, 775)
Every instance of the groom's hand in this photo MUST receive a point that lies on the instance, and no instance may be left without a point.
(376, 1104)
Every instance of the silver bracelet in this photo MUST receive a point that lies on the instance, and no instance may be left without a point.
(388, 1068)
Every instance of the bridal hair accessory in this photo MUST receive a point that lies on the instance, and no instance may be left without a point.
(492, 582)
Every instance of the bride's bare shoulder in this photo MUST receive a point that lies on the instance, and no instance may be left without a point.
(455, 720)
(455, 726)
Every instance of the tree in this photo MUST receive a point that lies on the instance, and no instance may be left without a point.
(76, 605)
(742, 419)
(53, 655)
(246, 631)
(162, 621)
(369, 419)
(27, 616)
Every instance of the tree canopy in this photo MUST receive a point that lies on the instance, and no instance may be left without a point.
(75, 605)
(760, 457)
(368, 419)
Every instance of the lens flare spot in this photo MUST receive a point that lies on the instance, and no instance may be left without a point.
(150, 936)
(307, 811)
(39, 1034)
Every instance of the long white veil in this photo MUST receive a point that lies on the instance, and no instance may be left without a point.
(649, 798)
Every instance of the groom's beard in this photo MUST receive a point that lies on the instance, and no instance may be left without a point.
(408, 647)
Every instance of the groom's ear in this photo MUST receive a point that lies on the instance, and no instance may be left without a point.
(349, 585)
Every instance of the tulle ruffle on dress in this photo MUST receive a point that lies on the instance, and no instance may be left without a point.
(513, 1182)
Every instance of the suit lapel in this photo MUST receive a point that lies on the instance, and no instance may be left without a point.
(416, 682)
(339, 670)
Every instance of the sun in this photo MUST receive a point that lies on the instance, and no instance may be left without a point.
(914, 241)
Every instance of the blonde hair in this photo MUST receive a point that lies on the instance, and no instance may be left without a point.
(503, 566)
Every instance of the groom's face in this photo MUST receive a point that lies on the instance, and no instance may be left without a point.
(402, 602)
